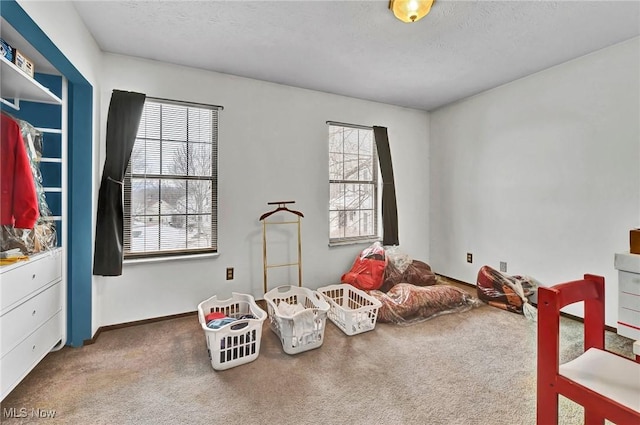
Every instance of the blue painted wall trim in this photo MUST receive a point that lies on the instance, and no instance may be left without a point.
(79, 173)
(80, 187)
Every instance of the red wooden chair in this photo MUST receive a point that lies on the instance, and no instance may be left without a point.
(605, 384)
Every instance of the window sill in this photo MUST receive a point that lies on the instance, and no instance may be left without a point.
(167, 259)
(355, 242)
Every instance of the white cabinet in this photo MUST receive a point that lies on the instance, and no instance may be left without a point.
(628, 266)
(31, 315)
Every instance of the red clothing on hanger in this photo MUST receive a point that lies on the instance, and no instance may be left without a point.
(18, 198)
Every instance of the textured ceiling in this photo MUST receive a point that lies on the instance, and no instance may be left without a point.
(358, 48)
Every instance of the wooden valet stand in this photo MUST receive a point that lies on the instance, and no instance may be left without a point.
(281, 206)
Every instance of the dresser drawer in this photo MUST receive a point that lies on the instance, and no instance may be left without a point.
(629, 332)
(629, 291)
(627, 262)
(629, 282)
(629, 320)
(21, 321)
(25, 278)
(629, 302)
(15, 365)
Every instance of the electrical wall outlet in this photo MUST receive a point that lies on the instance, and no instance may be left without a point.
(469, 257)
(503, 266)
(229, 273)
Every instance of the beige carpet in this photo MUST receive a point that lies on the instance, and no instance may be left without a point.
(476, 367)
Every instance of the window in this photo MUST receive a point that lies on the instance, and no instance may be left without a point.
(170, 187)
(353, 184)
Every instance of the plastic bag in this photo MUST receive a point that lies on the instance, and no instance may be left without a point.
(406, 304)
(367, 271)
(45, 236)
(398, 258)
(392, 277)
(509, 293)
(417, 273)
(41, 238)
(12, 238)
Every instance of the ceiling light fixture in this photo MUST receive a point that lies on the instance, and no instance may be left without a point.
(410, 10)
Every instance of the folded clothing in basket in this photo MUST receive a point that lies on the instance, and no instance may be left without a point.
(286, 309)
(304, 325)
(303, 322)
(218, 322)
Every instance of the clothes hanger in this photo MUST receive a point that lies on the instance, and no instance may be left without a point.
(281, 207)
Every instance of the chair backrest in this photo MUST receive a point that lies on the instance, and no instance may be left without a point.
(552, 299)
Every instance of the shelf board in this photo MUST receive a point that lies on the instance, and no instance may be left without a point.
(19, 86)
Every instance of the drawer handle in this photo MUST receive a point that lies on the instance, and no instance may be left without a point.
(34, 348)
(33, 276)
(34, 313)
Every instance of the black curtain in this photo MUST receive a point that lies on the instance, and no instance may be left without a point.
(389, 207)
(125, 111)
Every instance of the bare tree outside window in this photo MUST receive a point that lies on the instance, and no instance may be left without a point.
(192, 198)
(353, 182)
(170, 185)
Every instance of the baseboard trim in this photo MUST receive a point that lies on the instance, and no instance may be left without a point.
(135, 323)
(457, 281)
(563, 314)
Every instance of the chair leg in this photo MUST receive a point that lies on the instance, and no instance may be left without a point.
(547, 407)
(592, 418)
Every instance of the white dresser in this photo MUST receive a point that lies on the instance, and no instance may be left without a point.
(628, 266)
(31, 315)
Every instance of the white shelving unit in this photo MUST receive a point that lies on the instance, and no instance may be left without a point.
(18, 86)
(33, 294)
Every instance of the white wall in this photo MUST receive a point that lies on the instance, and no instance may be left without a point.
(541, 173)
(62, 24)
(273, 146)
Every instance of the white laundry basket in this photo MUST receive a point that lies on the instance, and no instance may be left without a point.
(237, 342)
(301, 331)
(352, 310)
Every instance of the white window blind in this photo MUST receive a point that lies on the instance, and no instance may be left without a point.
(170, 187)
